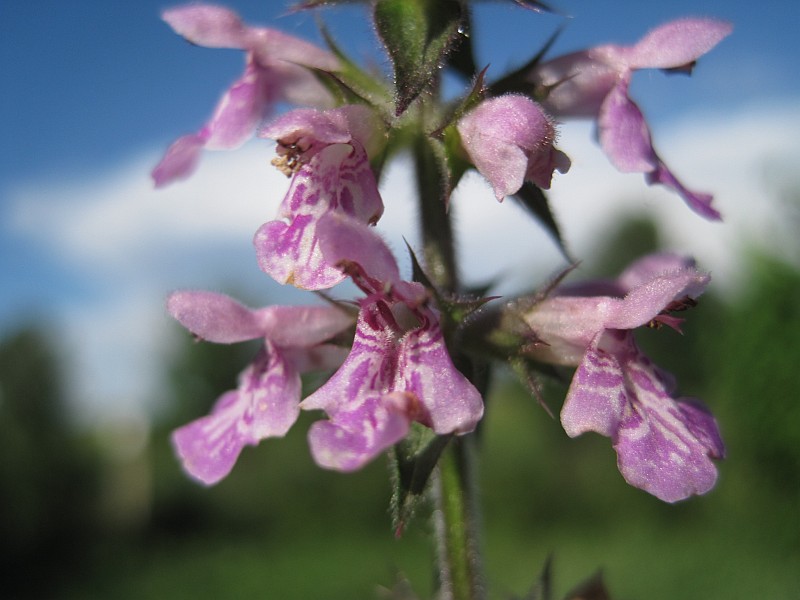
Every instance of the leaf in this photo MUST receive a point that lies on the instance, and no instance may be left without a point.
(350, 83)
(417, 35)
(413, 461)
(535, 202)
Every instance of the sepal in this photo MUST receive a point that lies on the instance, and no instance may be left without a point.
(412, 462)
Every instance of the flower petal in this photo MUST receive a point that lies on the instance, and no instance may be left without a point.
(663, 446)
(352, 438)
(289, 253)
(575, 85)
(677, 43)
(650, 298)
(336, 179)
(596, 400)
(567, 325)
(509, 139)
(450, 403)
(273, 47)
(234, 120)
(180, 159)
(623, 132)
(207, 25)
(308, 127)
(344, 239)
(215, 317)
(699, 202)
(317, 126)
(626, 140)
(368, 369)
(264, 405)
(240, 110)
(302, 326)
(648, 267)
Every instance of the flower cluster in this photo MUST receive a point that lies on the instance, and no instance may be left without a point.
(393, 361)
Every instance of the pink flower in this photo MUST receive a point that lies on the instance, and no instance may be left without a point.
(399, 369)
(266, 402)
(594, 83)
(664, 445)
(275, 69)
(326, 153)
(510, 139)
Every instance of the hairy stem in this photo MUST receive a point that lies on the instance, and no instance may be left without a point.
(435, 225)
(456, 507)
(457, 524)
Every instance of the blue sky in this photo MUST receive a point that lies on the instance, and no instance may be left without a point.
(94, 90)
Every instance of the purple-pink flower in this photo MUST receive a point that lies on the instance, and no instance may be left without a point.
(510, 139)
(399, 369)
(664, 444)
(275, 69)
(326, 153)
(594, 83)
(266, 401)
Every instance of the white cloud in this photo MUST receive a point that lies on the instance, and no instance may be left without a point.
(140, 243)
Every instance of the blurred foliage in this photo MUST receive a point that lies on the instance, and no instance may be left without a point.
(131, 525)
(48, 474)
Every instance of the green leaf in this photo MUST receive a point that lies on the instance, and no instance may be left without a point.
(417, 35)
(413, 461)
(535, 202)
(351, 84)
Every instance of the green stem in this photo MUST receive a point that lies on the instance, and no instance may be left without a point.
(456, 506)
(435, 225)
(457, 524)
